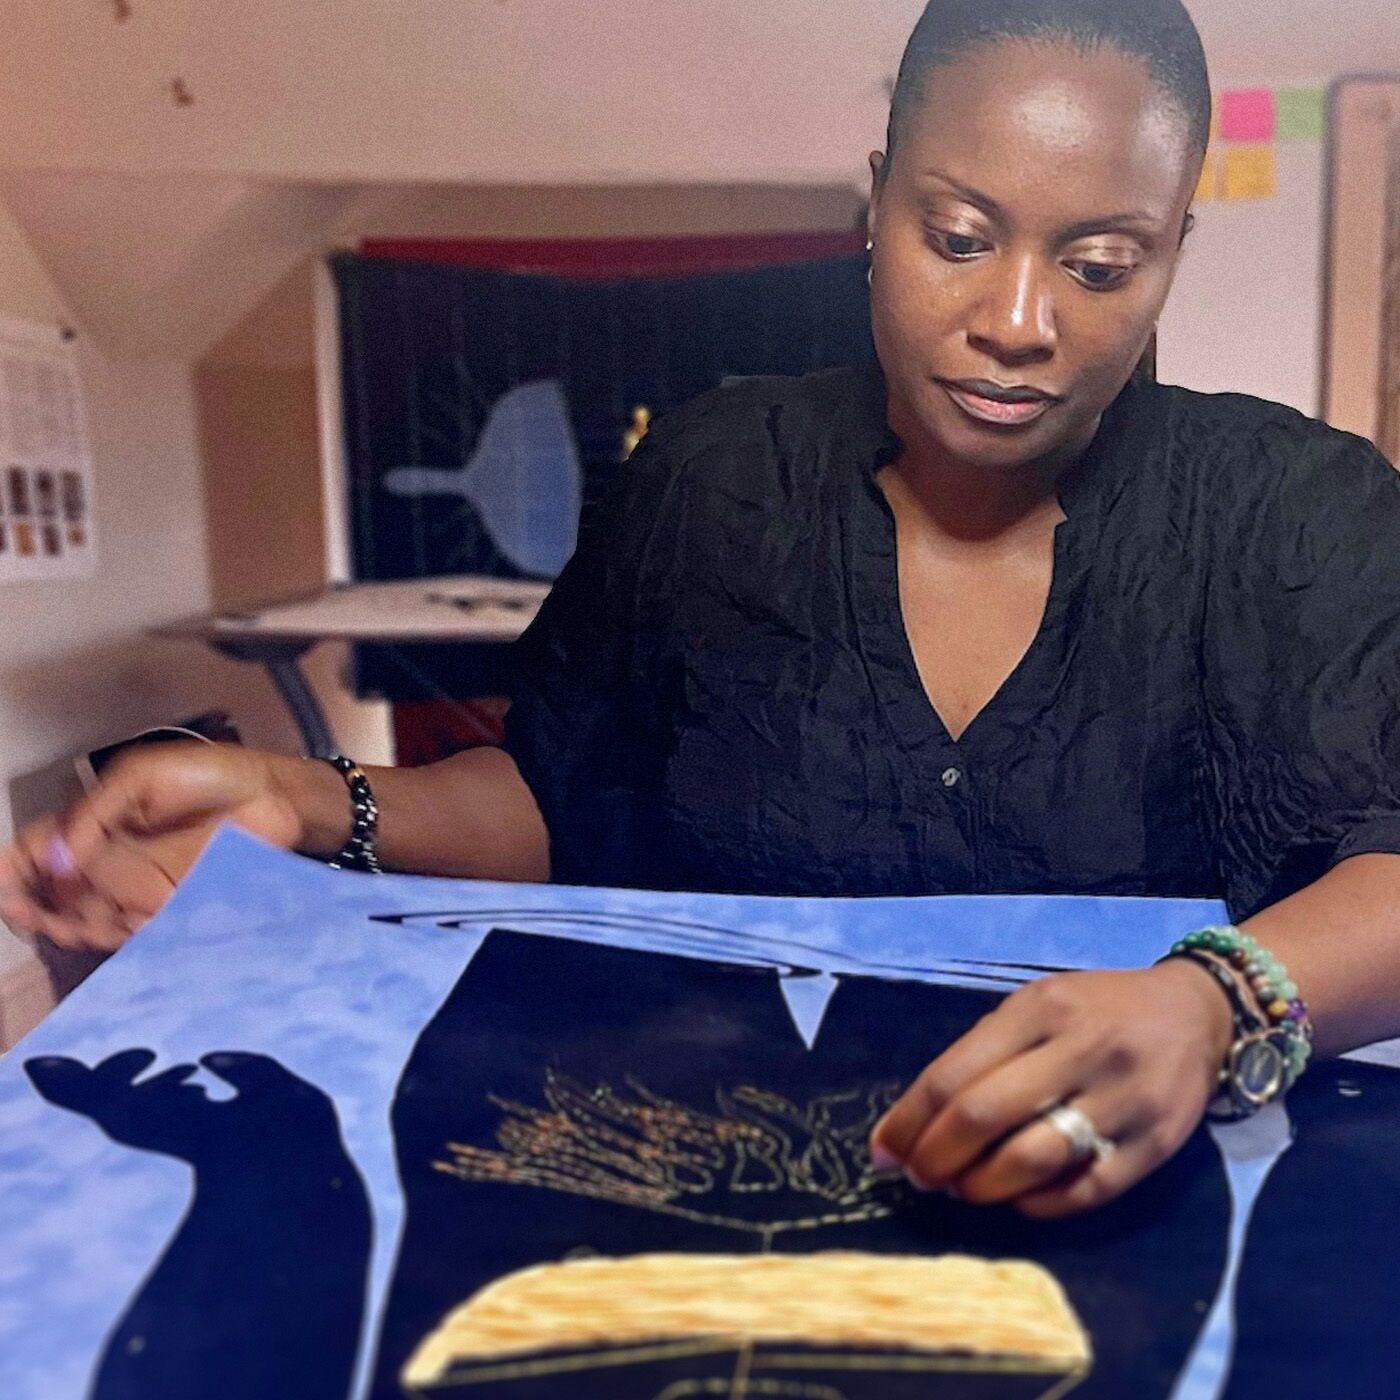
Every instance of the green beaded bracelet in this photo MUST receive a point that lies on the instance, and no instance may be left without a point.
(1280, 1005)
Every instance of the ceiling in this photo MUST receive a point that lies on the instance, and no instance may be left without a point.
(176, 267)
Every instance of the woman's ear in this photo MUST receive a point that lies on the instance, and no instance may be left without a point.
(877, 180)
(1147, 366)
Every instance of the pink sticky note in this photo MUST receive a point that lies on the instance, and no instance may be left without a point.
(1247, 114)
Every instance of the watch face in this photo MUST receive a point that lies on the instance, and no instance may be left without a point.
(1257, 1074)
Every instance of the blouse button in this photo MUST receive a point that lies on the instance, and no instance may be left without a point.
(950, 777)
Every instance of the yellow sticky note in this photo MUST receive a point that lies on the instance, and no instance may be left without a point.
(1210, 176)
(1249, 173)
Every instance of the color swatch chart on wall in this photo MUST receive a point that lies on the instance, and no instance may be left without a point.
(46, 495)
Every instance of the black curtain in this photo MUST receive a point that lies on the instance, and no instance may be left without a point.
(428, 349)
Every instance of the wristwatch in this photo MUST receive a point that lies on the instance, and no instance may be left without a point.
(1256, 1067)
(1255, 1073)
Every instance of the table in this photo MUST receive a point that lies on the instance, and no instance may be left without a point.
(465, 608)
(305, 1160)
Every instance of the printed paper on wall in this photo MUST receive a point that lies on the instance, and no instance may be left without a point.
(46, 493)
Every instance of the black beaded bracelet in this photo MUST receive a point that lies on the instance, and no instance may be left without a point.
(1262, 1062)
(359, 852)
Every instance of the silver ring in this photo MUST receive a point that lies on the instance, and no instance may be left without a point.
(1085, 1140)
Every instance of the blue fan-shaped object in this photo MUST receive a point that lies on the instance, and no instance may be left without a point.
(523, 479)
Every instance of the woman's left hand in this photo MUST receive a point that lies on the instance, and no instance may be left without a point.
(1136, 1052)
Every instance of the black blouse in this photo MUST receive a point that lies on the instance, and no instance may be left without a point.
(719, 693)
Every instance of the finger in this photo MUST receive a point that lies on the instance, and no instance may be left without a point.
(27, 901)
(173, 1078)
(30, 849)
(1097, 1184)
(58, 892)
(98, 923)
(1004, 1033)
(60, 1080)
(60, 867)
(120, 889)
(52, 875)
(250, 1073)
(20, 912)
(1038, 1156)
(87, 922)
(124, 1066)
(112, 807)
(988, 1109)
(71, 1084)
(63, 931)
(129, 878)
(12, 878)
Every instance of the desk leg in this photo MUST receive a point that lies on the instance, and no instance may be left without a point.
(286, 675)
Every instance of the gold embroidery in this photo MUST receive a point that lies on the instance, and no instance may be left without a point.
(762, 1165)
(635, 1148)
(951, 1313)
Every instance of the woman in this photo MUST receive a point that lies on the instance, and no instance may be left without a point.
(997, 617)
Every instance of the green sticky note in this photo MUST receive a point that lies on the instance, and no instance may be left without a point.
(1301, 113)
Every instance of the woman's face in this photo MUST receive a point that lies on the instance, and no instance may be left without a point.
(1026, 235)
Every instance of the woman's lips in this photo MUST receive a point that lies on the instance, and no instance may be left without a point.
(1003, 415)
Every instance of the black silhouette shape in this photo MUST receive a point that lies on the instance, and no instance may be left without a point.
(1319, 1285)
(538, 1027)
(260, 1295)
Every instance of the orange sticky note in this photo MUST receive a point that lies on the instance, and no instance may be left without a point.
(1210, 176)
(1249, 173)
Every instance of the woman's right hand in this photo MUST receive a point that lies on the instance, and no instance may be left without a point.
(90, 877)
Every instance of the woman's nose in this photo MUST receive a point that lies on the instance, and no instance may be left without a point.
(1014, 319)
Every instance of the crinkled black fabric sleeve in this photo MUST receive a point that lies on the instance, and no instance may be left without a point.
(584, 725)
(1301, 672)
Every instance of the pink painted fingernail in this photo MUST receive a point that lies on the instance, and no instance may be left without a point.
(882, 1159)
(916, 1181)
(59, 858)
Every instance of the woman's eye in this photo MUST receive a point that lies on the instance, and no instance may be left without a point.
(957, 245)
(1101, 277)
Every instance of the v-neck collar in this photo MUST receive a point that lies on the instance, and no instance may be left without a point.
(1086, 492)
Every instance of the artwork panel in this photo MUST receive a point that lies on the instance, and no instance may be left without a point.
(372, 994)
(578, 1056)
(429, 351)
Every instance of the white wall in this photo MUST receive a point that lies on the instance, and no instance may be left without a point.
(71, 673)
(556, 91)
(1246, 311)
(75, 669)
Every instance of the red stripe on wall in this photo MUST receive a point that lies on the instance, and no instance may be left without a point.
(585, 258)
